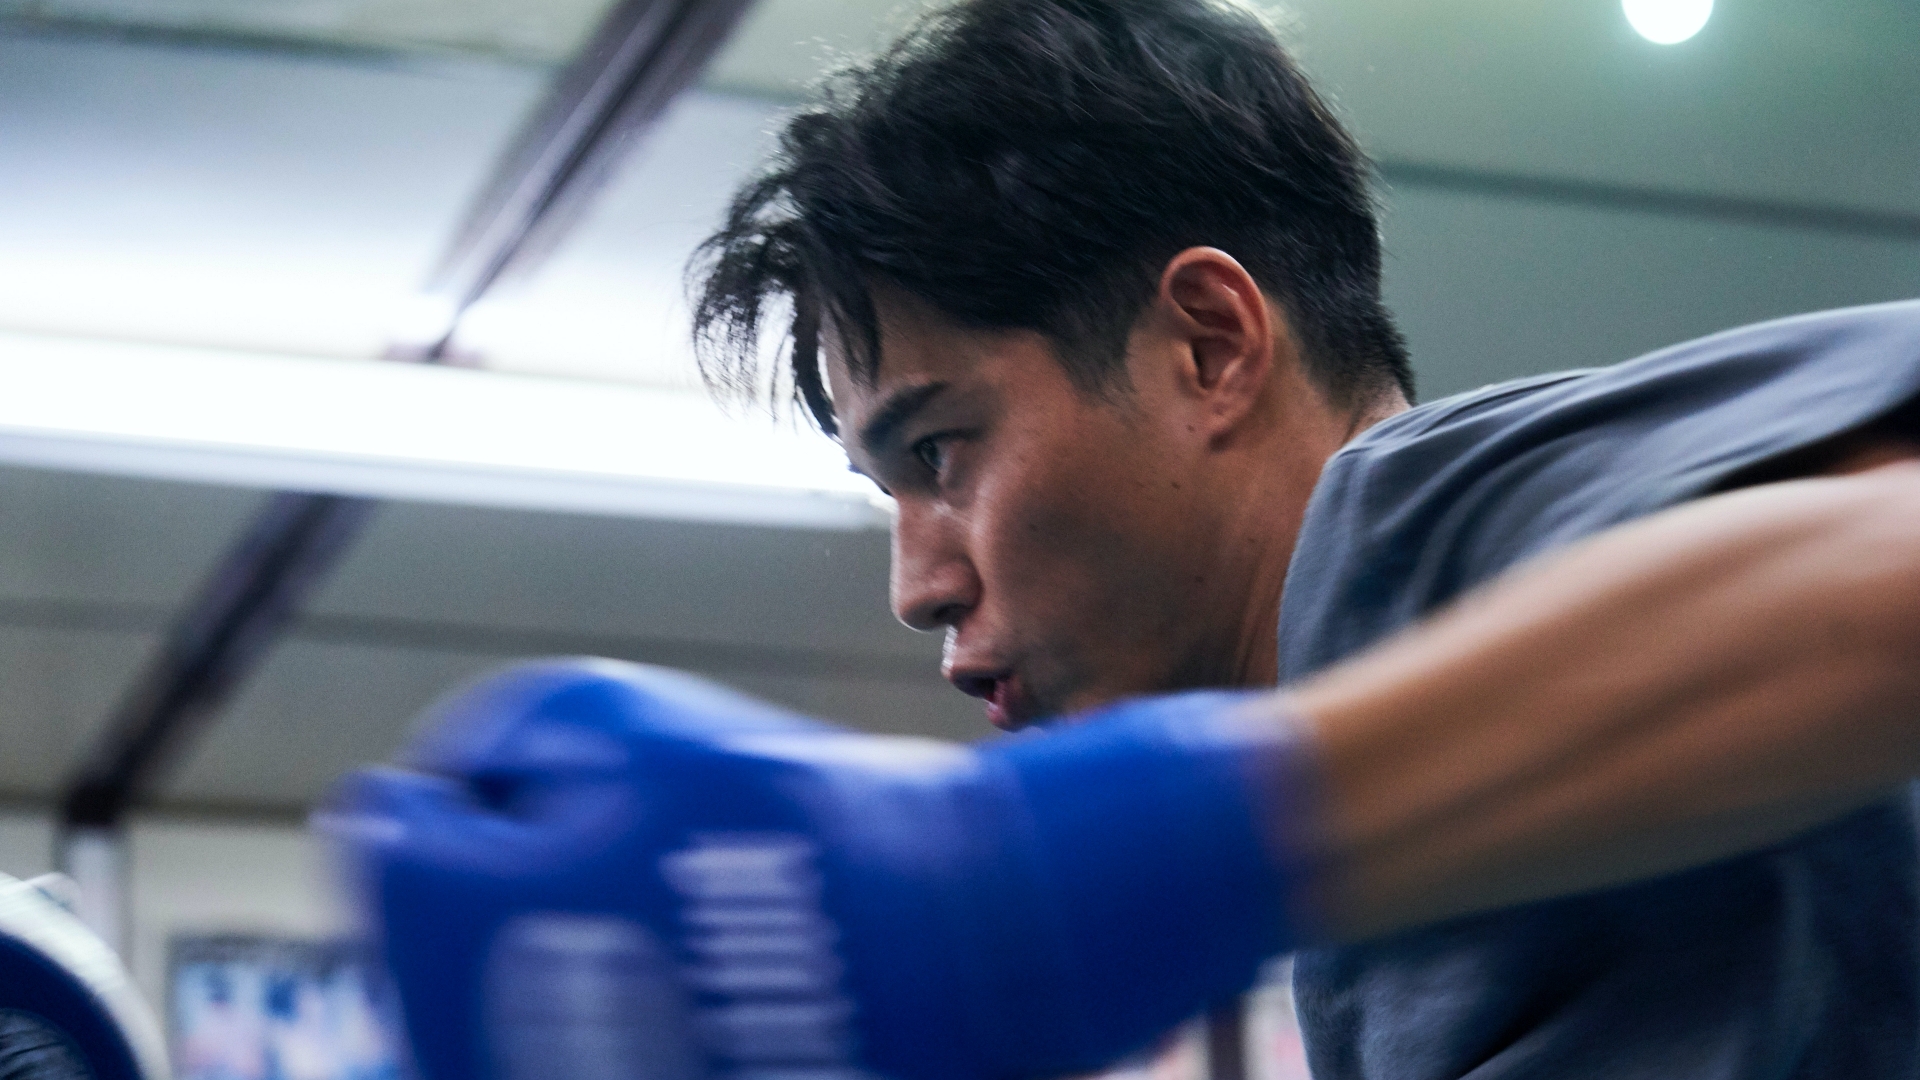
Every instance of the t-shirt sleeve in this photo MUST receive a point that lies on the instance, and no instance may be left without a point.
(1432, 502)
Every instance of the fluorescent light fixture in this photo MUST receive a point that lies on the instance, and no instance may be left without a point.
(1668, 22)
(409, 432)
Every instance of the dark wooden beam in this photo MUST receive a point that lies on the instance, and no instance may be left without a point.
(211, 646)
(642, 55)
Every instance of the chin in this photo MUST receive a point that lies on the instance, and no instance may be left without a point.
(1079, 705)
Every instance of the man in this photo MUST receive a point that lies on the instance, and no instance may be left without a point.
(1103, 296)
(1092, 290)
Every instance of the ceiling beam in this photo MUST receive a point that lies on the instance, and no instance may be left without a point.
(210, 647)
(643, 54)
(1640, 199)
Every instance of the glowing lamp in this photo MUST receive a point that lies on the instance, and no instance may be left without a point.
(1668, 22)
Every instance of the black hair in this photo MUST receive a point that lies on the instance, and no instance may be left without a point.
(1034, 164)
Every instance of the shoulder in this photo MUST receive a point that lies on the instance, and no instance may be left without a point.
(1754, 390)
(1439, 498)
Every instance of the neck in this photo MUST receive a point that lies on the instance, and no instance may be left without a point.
(1266, 518)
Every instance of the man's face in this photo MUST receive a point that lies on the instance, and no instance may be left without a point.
(1064, 541)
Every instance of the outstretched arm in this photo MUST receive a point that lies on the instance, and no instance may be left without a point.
(1707, 680)
(1700, 683)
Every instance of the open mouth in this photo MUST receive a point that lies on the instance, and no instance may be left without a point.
(1005, 702)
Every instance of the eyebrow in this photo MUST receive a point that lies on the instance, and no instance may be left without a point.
(899, 408)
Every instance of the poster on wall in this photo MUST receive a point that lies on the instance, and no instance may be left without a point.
(265, 1008)
(262, 1008)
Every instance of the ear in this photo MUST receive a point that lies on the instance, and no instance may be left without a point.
(1226, 331)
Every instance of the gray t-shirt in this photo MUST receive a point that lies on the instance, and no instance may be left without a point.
(1798, 961)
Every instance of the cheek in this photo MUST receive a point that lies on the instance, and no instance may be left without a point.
(1072, 538)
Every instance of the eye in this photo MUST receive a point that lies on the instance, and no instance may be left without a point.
(932, 452)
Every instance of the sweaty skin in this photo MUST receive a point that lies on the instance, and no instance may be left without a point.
(1695, 684)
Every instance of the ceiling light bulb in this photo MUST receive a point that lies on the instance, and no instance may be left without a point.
(1668, 22)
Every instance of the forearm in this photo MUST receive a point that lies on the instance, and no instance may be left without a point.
(1700, 683)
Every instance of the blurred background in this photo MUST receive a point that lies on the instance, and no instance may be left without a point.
(221, 219)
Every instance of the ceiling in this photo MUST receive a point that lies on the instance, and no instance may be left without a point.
(278, 175)
(516, 31)
(1787, 100)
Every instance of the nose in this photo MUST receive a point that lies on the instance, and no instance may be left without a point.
(934, 583)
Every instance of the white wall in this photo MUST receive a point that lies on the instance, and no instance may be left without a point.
(26, 844)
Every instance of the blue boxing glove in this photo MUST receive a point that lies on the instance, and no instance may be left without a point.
(588, 870)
